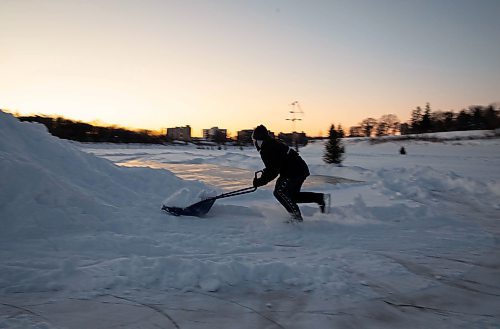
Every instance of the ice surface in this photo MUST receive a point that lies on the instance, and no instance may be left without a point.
(412, 241)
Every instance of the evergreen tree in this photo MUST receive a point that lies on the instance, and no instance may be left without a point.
(334, 150)
(416, 120)
(340, 131)
(426, 123)
(463, 120)
(491, 117)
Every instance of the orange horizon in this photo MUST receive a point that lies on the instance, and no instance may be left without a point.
(196, 132)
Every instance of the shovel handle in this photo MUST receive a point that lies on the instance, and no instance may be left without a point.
(241, 191)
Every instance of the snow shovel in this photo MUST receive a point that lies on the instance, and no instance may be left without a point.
(201, 208)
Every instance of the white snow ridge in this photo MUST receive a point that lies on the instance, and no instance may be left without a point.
(411, 241)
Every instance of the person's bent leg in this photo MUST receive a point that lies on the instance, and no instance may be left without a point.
(284, 192)
(309, 197)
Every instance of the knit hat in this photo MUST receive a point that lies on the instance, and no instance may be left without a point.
(260, 133)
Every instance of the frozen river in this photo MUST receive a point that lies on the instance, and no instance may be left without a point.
(226, 178)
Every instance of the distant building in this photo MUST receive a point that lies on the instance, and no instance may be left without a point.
(294, 139)
(271, 133)
(245, 136)
(179, 133)
(215, 134)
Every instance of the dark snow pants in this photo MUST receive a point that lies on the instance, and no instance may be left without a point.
(287, 191)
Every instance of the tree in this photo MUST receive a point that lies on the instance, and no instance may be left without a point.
(382, 129)
(416, 119)
(438, 121)
(340, 131)
(355, 131)
(390, 124)
(463, 120)
(425, 123)
(334, 150)
(491, 117)
(368, 125)
(449, 120)
(474, 117)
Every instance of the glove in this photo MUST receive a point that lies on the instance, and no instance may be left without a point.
(258, 182)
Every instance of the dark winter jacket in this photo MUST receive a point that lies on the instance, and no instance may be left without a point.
(282, 160)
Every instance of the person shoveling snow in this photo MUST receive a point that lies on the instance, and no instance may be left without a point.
(279, 159)
(282, 160)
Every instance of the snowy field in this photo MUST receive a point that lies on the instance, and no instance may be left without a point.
(411, 241)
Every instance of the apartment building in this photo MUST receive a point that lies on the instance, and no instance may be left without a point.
(179, 133)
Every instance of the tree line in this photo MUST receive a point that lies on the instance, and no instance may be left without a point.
(425, 120)
(422, 121)
(85, 132)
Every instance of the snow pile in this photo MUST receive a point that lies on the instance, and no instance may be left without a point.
(185, 197)
(424, 185)
(50, 186)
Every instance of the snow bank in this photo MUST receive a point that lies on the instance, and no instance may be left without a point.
(50, 186)
(426, 185)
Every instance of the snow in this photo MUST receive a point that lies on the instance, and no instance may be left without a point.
(411, 241)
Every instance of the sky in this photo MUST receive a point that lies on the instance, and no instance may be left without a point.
(153, 64)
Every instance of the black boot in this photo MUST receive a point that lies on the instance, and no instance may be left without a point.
(294, 218)
(322, 203)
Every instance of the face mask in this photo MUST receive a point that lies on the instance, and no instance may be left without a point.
(258, 144)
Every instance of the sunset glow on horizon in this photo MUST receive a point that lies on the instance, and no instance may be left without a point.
(235, 64)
